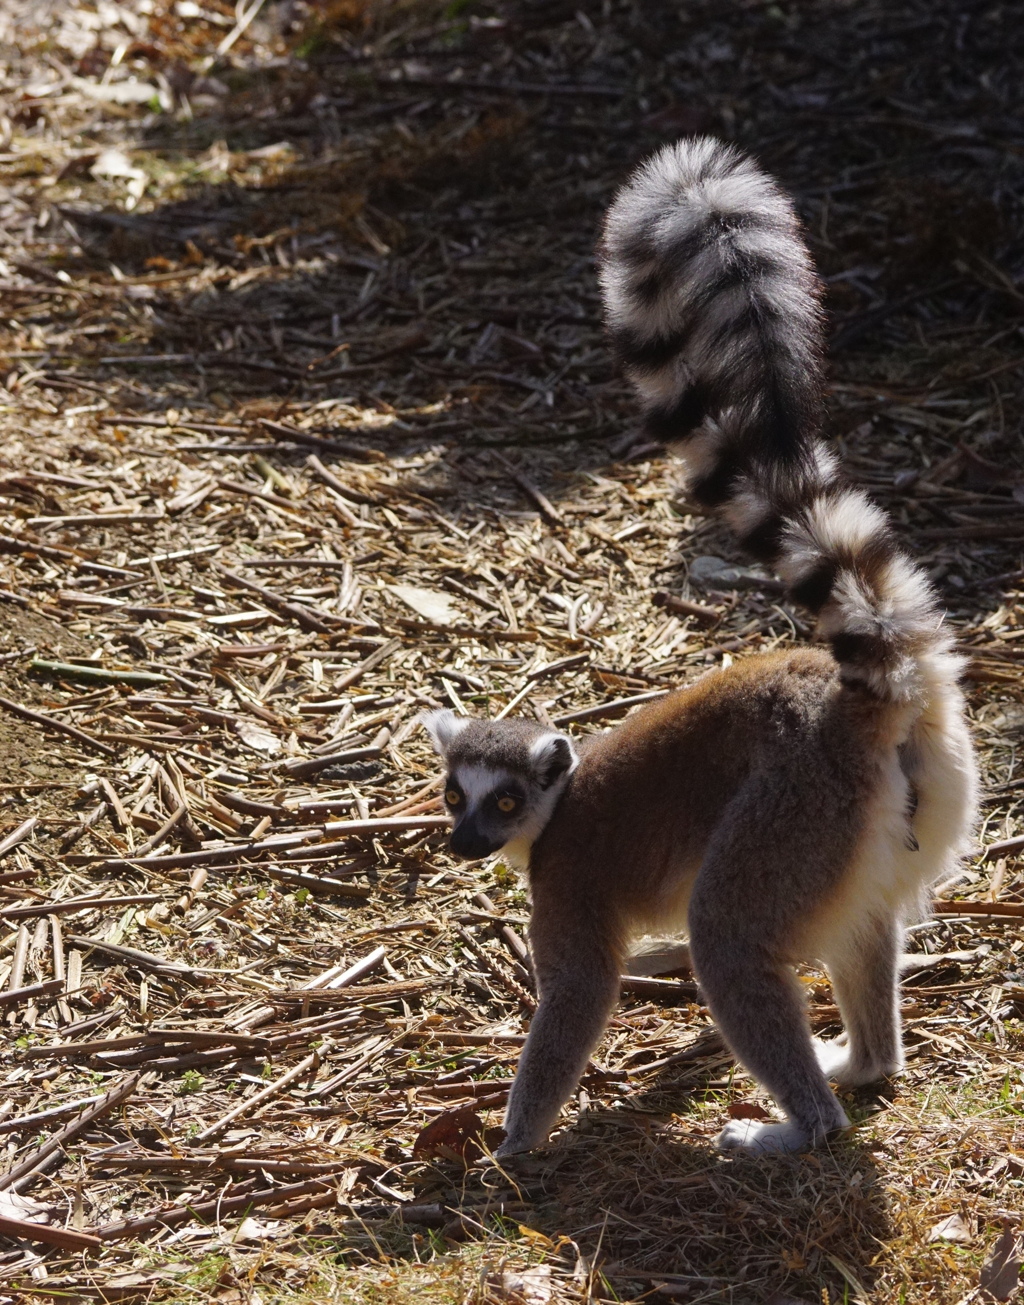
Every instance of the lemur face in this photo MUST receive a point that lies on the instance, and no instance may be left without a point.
(504, 778)
(487, 808)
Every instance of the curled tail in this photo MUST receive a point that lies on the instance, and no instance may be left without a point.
(713, 306)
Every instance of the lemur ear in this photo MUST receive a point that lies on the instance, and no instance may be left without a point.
(442, 725)
(553, 755)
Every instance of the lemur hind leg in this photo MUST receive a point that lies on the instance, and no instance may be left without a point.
(769, 864)
(577, 969)
(865, 980)
(760, 1012)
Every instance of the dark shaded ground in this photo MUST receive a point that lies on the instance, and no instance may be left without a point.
(894, 126)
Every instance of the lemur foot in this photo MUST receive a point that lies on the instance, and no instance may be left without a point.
(833, 1058)
(514, 1145)
(835, 1061)
(755, 1138)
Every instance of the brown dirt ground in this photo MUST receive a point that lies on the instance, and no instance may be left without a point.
(374, 223)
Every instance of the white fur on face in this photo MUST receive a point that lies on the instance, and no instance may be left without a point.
(478, 782)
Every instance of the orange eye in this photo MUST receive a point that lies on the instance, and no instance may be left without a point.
(453, 797)
(507, 804)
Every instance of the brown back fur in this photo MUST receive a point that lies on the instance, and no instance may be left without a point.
(781, 723)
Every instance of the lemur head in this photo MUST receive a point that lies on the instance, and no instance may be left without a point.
(504, 778)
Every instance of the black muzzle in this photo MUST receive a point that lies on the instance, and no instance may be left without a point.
(471, 843)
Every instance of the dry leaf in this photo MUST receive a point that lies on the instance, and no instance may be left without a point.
(452, 1136)
(709, 572)
(256, 1230)
(257, 738)
(131, 91)
(428, 603)
(114, 163)
(747, 1110)
(952, 1229)
(15, 1206)
(538, 1240)
(524, 1286)
(1000, 1274)
(135, 1286)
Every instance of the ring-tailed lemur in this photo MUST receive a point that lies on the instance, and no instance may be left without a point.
(797, 806)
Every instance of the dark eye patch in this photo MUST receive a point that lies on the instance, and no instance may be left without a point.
(502, 799)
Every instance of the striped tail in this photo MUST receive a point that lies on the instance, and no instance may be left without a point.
(713, 306)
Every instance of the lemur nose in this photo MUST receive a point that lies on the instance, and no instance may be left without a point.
(470, 843)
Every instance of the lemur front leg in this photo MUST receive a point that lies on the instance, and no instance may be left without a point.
(577, 972)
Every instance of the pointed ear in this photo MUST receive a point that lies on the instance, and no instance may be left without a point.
(442, 726)
(553, 756)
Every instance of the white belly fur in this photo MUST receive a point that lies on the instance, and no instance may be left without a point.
(887, 879)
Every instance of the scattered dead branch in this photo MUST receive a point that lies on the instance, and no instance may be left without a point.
(308, 425)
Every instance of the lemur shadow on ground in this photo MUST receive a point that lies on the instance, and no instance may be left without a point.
(640, 1186)
(637, 1190)
(641, 1197)
(649, 1196)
